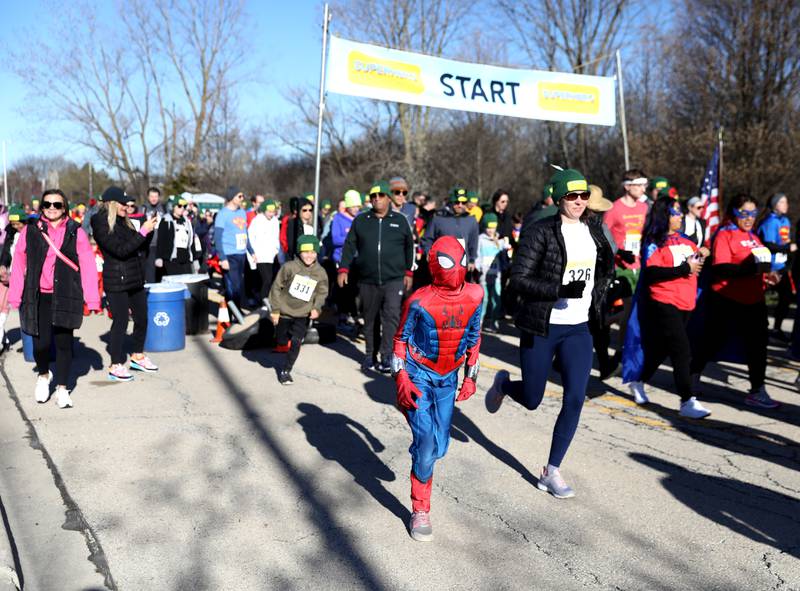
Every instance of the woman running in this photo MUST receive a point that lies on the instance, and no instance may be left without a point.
(124, 251)
(54, 273)
(736, 305)
(561, 269)
(671, 263)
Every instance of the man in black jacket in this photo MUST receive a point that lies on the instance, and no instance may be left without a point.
(381, 243)
(453, 220)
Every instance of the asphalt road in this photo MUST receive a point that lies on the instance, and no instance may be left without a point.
(210, 475)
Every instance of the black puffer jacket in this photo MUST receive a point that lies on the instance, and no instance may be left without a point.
(124, 252)
(539, 262)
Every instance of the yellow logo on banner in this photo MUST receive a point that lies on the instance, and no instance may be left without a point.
(570, 98)
(380, 73)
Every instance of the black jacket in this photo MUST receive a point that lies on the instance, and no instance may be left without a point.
(538, 268)
(124, 252)
(166, 239)
(67, 290)
(445, 223)
(383, 248)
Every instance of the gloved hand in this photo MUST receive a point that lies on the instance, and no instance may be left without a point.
(159, 263)
(573, 289)
(467, 389)
(406, 391)
(627, 256)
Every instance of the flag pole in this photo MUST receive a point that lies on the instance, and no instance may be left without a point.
(719, 180)
(623, 123)
(325, 21)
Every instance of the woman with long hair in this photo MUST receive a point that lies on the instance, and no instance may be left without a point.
(736, 306)
(561, 269)
(124, 252)
(670, 266)
(53, 275)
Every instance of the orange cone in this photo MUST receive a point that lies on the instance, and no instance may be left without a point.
(223, 321)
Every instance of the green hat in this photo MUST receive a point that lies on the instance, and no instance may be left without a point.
(325, 203)
(352, 198)
(473, 197)
(267, 205)
(176, 200)
(310, 198)
(458, 195)
(307, 243)
(379, 187)
(567, 181)
(489, 220)
(547, 191)
(16, 214)
(659, 183)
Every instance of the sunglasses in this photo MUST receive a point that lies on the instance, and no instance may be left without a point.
(400, 192)
(373, 195)
(306, 209)
(745, 213)
(583, 195)
(52, 205)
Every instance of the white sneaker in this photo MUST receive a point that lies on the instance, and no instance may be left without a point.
(42, 391)
(637, 389)
(692, 409)
(62, 398)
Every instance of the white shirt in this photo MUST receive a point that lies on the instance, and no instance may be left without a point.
(581, 259)
(265, 237)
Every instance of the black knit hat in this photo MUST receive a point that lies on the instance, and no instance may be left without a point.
(115, 194)
(232, 192)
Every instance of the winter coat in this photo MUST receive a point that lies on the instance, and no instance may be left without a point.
(445, 223)
(538, 267)
(124, 253)
(382, 248)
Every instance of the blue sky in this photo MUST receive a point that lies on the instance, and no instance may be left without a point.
(285, 39)
(286, 51)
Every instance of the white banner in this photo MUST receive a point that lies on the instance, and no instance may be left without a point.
(358, 69)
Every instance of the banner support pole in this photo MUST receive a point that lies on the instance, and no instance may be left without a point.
(623, 122)
(325, 21)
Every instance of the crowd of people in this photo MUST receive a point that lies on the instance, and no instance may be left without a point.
(420, 280)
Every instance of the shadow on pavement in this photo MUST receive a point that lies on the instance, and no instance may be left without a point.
(84, 360)
(342, 439)
(337, 545)
(381, 389)
(752, 511)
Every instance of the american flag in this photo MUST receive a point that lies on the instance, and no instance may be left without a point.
(709, 195)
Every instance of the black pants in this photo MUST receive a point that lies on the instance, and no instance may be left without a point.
(385, 300)
(726, 318)
(120, 303)
(152, 274)
(175, 268)
(265, 274)
(784, 289)
(601, 339)
(664, 333)
(295, 329)
(42, 342)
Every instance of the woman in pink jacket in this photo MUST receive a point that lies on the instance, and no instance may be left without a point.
(53, 274)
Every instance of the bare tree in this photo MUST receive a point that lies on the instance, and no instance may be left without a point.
(142, 95)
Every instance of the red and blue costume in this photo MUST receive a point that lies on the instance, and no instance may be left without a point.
(439, 332)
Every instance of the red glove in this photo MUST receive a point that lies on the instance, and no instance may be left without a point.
(467, 389)
(406, 391)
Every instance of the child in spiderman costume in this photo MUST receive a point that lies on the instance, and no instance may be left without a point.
(439, 332)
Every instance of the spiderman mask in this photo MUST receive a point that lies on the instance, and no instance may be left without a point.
(448, 263)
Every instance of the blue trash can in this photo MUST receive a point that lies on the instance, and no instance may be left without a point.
(166, 320)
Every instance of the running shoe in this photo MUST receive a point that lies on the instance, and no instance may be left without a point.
(285, 378)
(553, 483)
(384, 367)
(62, 398)
(367, 365)
(119, 373)
(143, 363)
(420, 526)
(692, 409)
(637, 390)
(761, 399)
(42, 392)
(494, 397)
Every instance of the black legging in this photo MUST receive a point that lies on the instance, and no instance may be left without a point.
(726, 318)
(42, 342)
(293, 329)
(265, 272)
(664, 333)
(120, 302)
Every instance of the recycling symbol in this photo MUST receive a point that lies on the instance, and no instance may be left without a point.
(161, 319)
